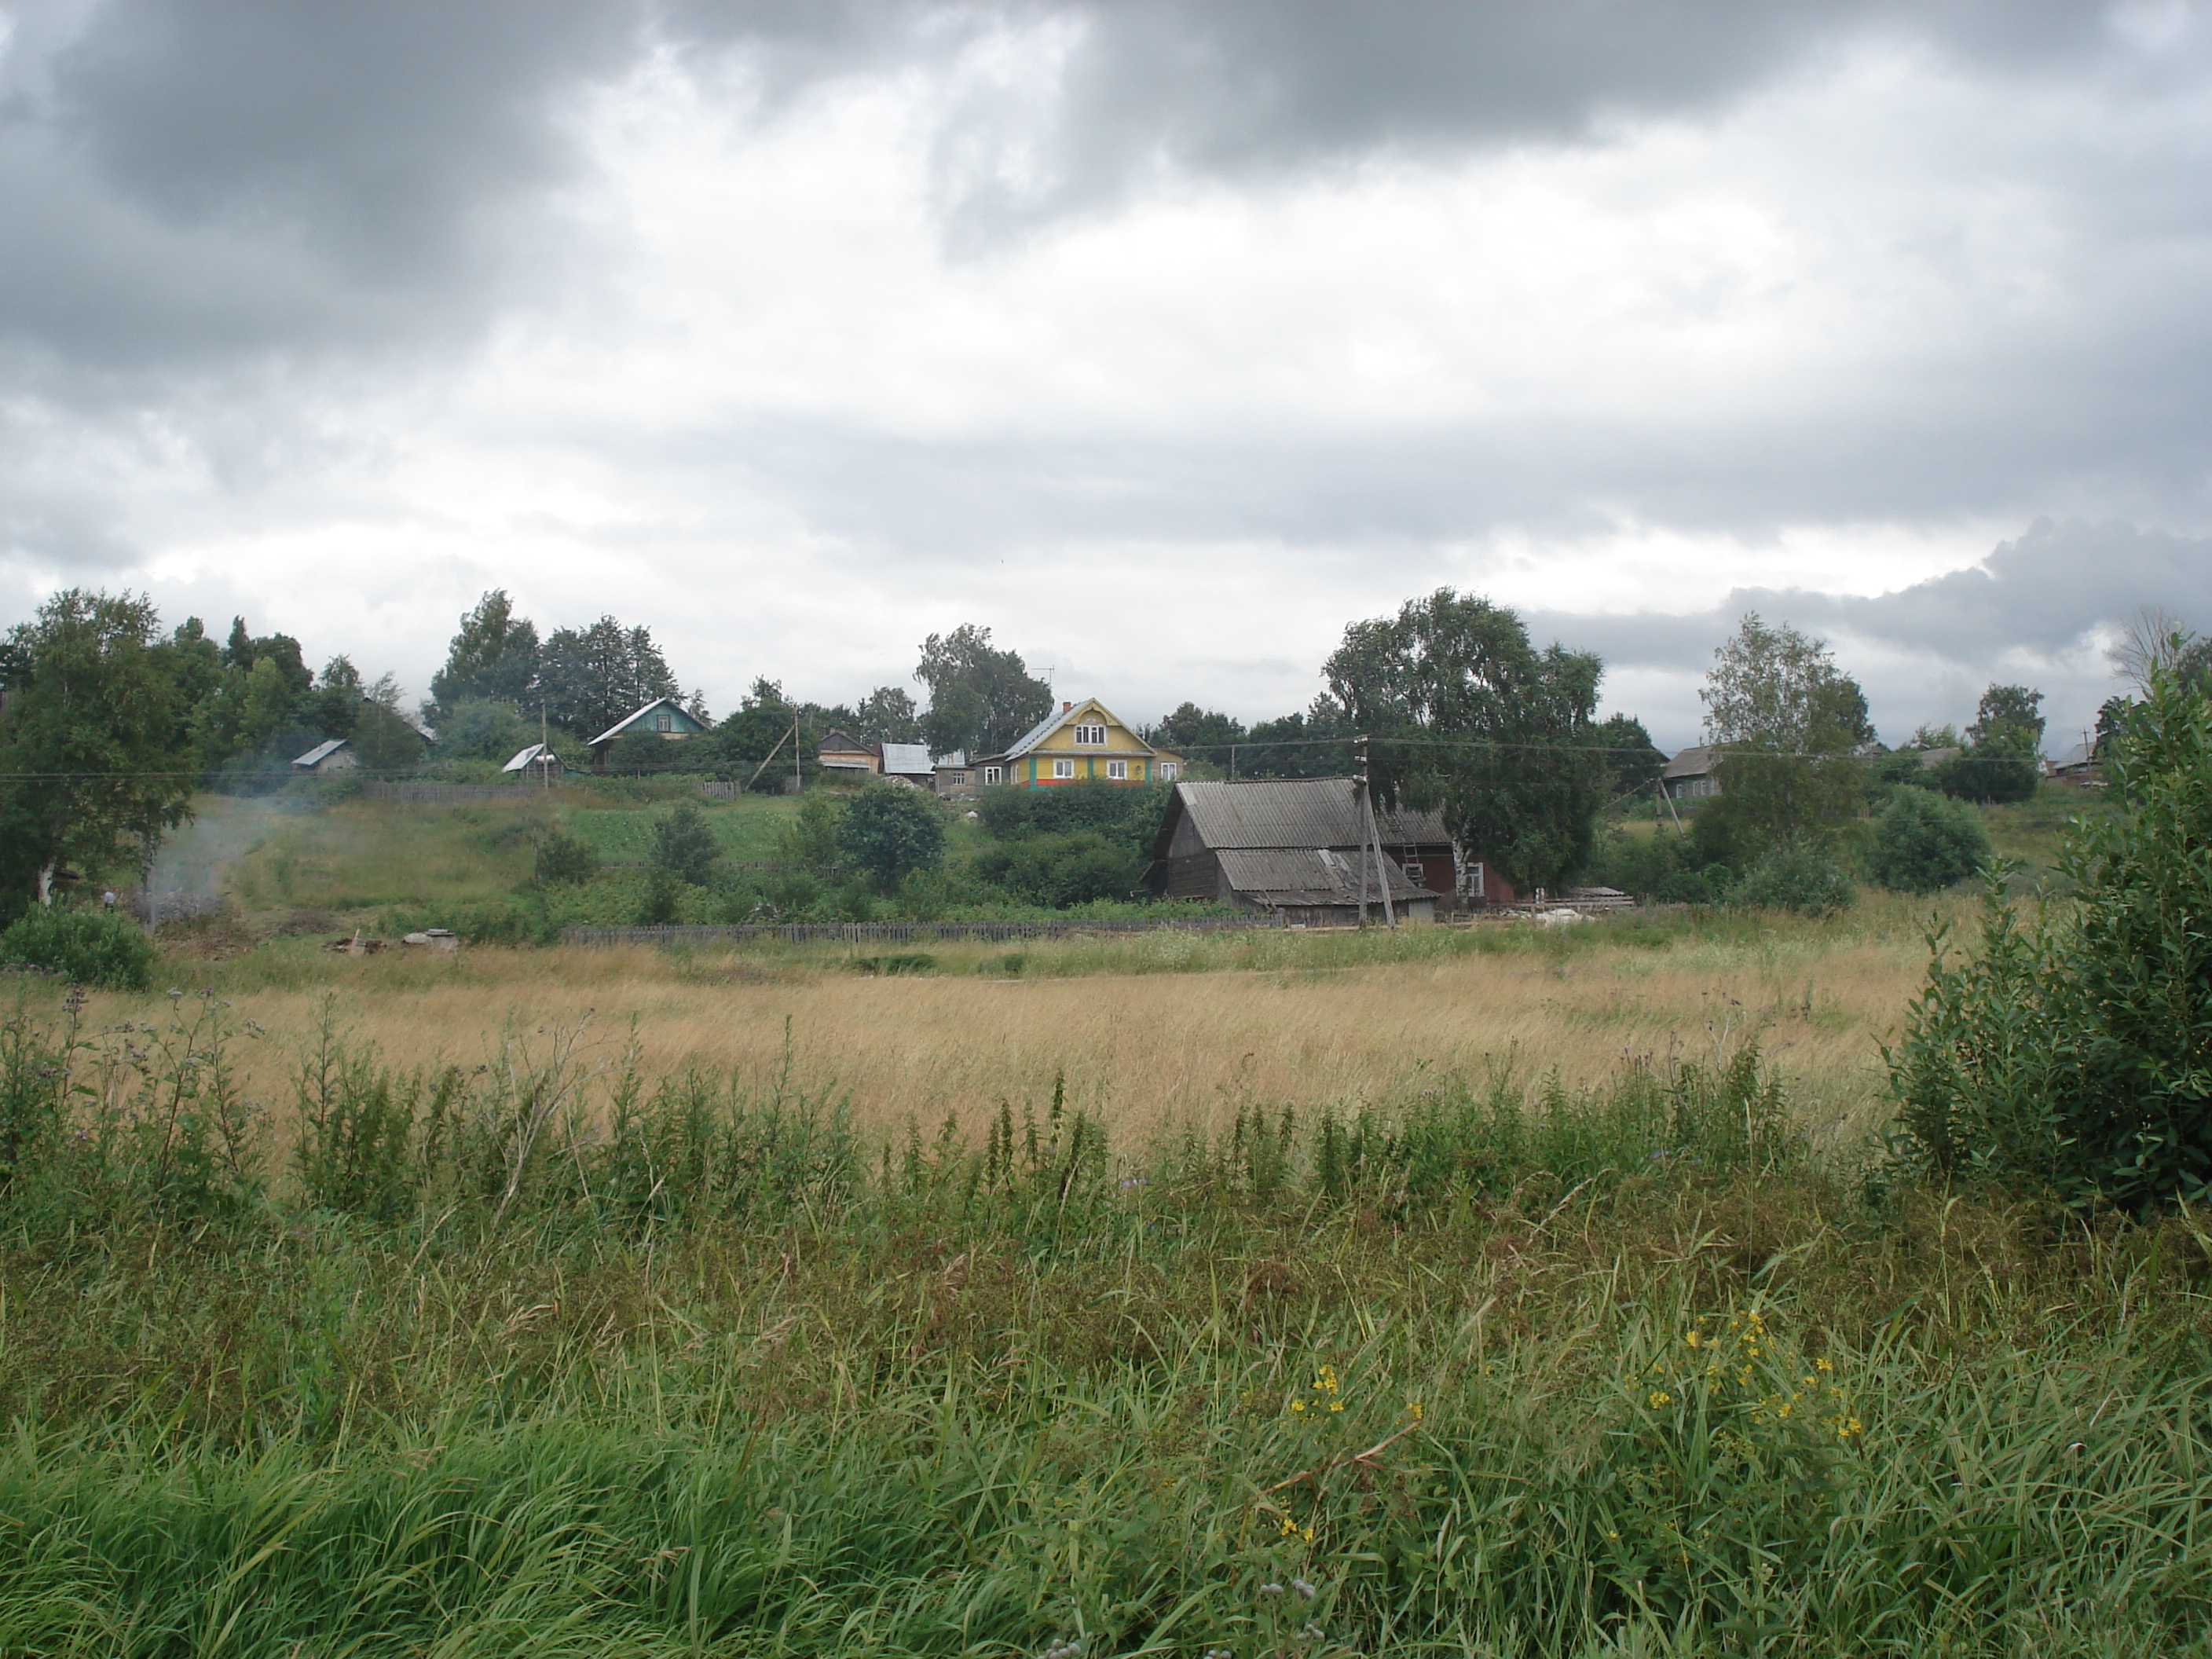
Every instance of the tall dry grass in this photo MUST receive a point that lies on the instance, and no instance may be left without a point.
(1152, 1031)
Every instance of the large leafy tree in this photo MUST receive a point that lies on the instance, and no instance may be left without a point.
(2002, 761)
(1466, 715)
(886, 715)
(1787, 722)
(980, 698)
(1632, 758)
(760, 728)
(590, 678)
(494, 659)
(1316, 743)
(88, 767)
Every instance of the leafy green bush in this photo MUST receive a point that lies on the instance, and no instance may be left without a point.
(1924, 843)
(85, 947)
(684, 847)
(1802, 879)
(2074, 1051)
(562, 860)
(1062, 869)
(1128, 813)
(1983, 773)
(888, 831)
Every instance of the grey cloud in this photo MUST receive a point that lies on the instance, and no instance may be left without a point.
(183, 182)
(2022, 612)
(1246, 88)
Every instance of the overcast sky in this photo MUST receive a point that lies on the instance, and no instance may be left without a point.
(1162, 340)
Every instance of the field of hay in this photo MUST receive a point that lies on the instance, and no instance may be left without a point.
(1149, 1032)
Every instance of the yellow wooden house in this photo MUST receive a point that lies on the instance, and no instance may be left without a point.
(1083, 742)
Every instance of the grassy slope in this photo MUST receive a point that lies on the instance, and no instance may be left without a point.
(356, 855)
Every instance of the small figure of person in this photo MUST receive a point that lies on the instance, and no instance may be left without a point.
(108, 899)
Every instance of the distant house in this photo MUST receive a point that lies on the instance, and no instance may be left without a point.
(663, 716)
(1083, 742)
(1931, 758)
(2078, 766)
(539, 759)
(955, 778)
(909, 763)
(324, 758)
(1690, 775)
(1297, 847)
(845, 758)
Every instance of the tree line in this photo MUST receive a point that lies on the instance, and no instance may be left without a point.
(111, 723)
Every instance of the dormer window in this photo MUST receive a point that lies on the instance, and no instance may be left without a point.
(1095, 735)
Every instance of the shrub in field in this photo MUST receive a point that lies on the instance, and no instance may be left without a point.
(1125, 813)
(85, 946)
(1924, 843)
(562, 860)
(2073, 1049)
(1797, 878)
(888, 831)
(684, 847)
(1061, 869)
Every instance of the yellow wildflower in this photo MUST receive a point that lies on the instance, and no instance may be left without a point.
(1660, 1397)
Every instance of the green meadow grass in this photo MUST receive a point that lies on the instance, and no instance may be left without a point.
(534, 1358)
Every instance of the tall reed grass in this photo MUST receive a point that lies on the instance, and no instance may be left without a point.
(553, 1354)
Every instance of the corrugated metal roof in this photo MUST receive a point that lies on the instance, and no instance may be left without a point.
(1695, 761)
(320, 752)
(1037, 733)
(529, 757)
(908, 760)
(1311, 875)
(1298, 812)
(958, 758)
(628, 721)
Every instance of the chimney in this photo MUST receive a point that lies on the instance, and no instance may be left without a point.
(1065, 707)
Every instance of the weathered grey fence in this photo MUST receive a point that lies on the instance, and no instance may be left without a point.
(866, 933)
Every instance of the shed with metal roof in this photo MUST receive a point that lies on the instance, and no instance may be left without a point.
(1298, 846)
(335, 756)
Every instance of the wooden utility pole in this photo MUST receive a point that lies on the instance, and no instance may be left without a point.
(1371, 840)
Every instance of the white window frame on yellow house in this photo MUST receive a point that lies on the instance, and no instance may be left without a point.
(1090, 736)
(1117, 770)
(1063, 769)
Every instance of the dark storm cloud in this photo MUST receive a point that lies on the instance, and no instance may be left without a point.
(182, 181)
(1243, 88)
(2040, 593)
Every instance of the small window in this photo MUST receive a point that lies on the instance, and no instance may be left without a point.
(1063, 769)
(992, 775)
(1413, 872)
(1475, 879)
(664, 721)
(1091, 734)
(1117, 769)
(1167, 771)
